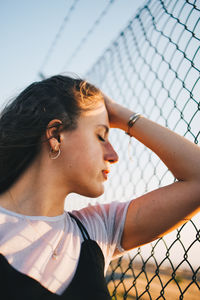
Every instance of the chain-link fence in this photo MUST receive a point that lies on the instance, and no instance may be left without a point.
(153, 68)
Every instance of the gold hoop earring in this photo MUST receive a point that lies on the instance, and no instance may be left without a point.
(54, 154)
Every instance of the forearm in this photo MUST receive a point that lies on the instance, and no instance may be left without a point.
(181, 156)
(158, 212)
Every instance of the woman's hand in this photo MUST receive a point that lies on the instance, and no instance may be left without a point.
(118, 115)
(111, 109)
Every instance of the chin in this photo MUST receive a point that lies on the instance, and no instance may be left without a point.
(93, 193)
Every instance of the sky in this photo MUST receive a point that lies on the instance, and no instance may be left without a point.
(41, 36)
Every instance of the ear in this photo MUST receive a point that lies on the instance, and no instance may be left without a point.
(53, 134)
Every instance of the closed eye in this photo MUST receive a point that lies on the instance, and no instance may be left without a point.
(101, 138)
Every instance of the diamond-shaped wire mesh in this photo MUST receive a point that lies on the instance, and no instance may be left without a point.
(153, 67)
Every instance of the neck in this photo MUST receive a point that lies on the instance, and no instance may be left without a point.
(36, 193)
(33, 204)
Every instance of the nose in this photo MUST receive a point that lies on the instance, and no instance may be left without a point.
(110, 154)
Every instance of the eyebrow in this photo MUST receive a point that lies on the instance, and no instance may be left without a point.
(105, 126)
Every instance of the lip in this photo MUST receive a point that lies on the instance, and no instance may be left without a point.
(105, 174)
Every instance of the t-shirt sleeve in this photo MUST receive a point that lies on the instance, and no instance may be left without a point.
(105, 224)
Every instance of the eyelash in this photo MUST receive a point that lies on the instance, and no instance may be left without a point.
(101, 139)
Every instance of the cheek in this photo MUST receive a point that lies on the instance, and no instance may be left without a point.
(82, 169)
(84, 157)
(90, 163)
(90, 160)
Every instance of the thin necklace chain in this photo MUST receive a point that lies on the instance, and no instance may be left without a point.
(55, 251)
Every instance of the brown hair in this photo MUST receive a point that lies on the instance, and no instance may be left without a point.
(23, 122)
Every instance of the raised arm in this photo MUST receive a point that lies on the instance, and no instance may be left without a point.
(160, 211)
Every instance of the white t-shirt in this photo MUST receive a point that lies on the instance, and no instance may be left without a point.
(28, 242)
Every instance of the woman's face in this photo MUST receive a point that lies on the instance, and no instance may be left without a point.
(86, 154)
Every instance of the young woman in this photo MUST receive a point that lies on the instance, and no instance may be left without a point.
(53, 142)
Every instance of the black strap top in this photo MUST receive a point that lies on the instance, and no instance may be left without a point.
(88, 282)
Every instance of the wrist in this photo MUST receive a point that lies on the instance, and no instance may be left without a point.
(121, 117)
(133, 119)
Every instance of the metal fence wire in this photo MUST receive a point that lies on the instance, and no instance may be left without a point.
(153, 68)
